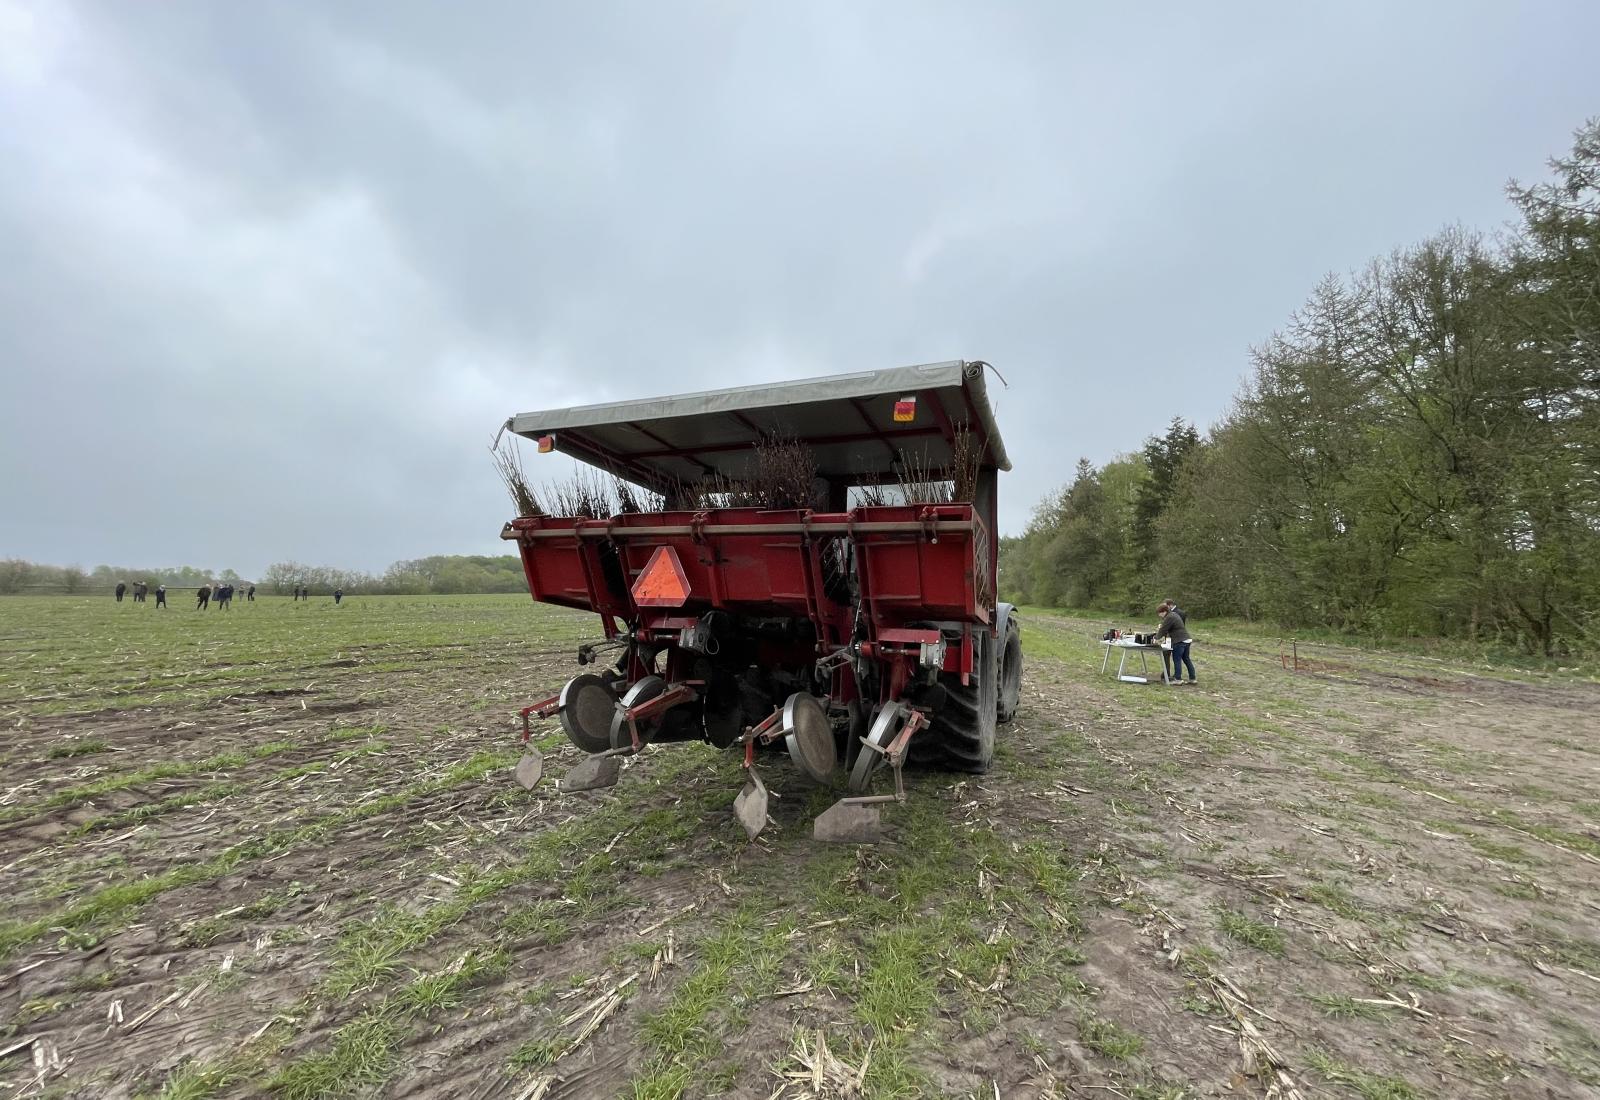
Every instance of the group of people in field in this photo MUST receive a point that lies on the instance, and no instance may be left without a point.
(221, 595)
(141, 592)
(141, 589)
(208, 595)
(302, 593)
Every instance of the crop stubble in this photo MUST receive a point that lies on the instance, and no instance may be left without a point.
(290, 833)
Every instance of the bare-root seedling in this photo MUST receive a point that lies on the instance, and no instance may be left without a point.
(583, 494)
(508, 464)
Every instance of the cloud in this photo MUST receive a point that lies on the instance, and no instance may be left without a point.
(271, 278)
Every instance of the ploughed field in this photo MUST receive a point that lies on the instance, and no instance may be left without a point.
(278, 850)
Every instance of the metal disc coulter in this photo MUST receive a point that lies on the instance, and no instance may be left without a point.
(642, 692)
(588, 704)
(809, 736)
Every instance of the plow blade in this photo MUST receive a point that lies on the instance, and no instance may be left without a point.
(750, 806)
(847, 822)
(596, 771)
(530, 769)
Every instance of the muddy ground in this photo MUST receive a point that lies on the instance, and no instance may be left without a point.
(283, 855)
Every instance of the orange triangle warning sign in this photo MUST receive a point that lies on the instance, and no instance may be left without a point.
(662, 584)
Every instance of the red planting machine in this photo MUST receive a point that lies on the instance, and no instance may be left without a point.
(849, 635)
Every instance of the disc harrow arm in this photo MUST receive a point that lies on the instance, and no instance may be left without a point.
(858, 818)
(530, 769)
(599, 769)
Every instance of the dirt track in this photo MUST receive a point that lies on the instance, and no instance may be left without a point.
(1368, 880)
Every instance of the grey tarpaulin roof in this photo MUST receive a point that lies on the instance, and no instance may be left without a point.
(846, 419)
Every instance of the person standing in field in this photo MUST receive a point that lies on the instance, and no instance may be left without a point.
(1166, 654)
(121, 588)
(202, 597)
(161, 595)
(338, 594)
(1173, 627)
(250, 594)
(140, 588)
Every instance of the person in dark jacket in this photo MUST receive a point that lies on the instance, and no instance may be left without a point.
(338, 594)
(161, 595)
(1166, 654)
(1173, 627)
(250, 594)
(202, 597)
(121, 588)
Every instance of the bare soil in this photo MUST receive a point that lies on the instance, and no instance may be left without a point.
(1374, 878)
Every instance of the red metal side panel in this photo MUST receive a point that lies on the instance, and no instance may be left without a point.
(754, 561)
(913, 576)
(755, 573)
(555, 567)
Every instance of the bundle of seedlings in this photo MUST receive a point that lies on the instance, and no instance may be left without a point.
(631, 498)
(583, 495)
(924, 481)
(715, 490)
(785, 474)
(966, 455)
(508, 464)
(872, 495)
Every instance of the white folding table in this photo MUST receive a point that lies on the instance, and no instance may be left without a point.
(1127, 646)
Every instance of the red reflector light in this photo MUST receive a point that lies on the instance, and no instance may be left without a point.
(662, 584)
(547, 443)
(905, 410)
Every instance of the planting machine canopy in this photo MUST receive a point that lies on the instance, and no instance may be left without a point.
(848, 421)
(818, 570)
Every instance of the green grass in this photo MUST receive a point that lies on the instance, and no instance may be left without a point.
(965, 924)
(1369, 1086)
(1318, 643)
(1336, 899)
(538, 1052)
(76, 654)
(77, 748)
(362, 1055)
(111, 902)
(1251, 932)
(202, 1080)
(1340, 1007)
(1107, 1038)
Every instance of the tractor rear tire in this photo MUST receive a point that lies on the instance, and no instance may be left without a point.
(1010, 670)
(961, 735)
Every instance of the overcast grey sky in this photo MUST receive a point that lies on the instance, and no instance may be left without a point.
(272, 274)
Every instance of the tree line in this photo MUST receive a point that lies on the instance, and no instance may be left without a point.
(1416, 452)
(441, 574)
